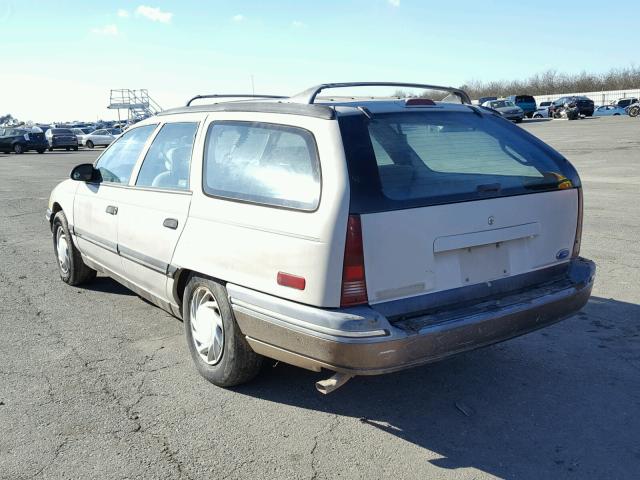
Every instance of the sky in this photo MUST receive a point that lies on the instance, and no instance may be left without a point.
(60, 58)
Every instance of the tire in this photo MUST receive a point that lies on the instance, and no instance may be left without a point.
(75, 149)
(89, 144)
(18, 149)
(41, 150)
(537, 115)
(519, 120)
(70, 265)
(230, 360)
(634, 111)
(67, 148)
(51, 149)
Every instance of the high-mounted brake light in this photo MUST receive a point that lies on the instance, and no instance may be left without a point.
(419, 102)
(578, 240)
(354, 287)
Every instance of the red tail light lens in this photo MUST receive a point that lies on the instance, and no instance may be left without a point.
(354, 287)
(578, 240)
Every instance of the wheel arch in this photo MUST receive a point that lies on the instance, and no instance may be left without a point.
(55, 208)
(180, 280)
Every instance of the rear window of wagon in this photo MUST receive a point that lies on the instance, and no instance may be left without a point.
(413, 159)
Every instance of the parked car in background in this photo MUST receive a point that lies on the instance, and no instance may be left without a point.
(20, 140)
(80, 133)
(116, 132)
(507, 109)
(526, 102)
(543, 110)
(633, 110)
(625, 102)
(99, 138)
(482, 100)
(609, 110)
(59, 138)
(362, 237)
(585, 105)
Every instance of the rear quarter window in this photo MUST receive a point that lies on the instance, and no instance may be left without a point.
(262, 163)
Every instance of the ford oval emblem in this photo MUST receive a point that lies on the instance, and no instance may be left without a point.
(562, 254)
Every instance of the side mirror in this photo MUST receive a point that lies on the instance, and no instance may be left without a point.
(85, 173)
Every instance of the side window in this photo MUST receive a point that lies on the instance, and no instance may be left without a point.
(167, 162)
(117, 162)
(262, 163)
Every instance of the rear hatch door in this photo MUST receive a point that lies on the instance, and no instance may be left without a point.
(455, 199)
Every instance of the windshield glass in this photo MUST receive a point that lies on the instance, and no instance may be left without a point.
(60, 131)
(525, 99)
(441, 157)
(502, 103)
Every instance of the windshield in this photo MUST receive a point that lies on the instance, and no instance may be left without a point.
(502, 103)
(60, 131)
(525, 99)
(443, 157)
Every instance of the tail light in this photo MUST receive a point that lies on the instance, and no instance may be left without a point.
(354, 287)
(578, 240)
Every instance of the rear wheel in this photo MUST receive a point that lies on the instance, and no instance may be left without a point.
(40, 150)
(18, 148)
(51, 149)
(634, 111)
(75, 149)
(217, 346)
(70, 265)
(89, 144)
(68, 148)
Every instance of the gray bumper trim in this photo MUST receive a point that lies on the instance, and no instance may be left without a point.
(464, 329)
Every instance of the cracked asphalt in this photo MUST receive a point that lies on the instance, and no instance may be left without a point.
(97, 383)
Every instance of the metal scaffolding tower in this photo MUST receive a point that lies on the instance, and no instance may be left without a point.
(138, 104)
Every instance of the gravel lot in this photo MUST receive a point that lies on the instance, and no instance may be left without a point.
(97, 383)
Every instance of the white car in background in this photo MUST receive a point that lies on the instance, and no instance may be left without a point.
(99, 138)
(361, 236)
(81, 133)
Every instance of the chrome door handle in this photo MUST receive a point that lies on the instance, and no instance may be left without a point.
(171, 223)
(112, 210)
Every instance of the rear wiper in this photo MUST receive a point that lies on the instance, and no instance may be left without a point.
(489, 187)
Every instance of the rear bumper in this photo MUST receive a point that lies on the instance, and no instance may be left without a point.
(362, 341)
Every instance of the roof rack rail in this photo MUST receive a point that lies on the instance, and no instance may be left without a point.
(240, 95)
(309, 95)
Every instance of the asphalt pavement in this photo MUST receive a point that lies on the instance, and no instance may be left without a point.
(97, 383)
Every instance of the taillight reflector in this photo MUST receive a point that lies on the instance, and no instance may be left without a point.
(354, 287)
(293, 281)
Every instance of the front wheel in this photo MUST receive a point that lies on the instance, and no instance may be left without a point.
(41, 150)
(89, 144)
(634, 111)
(217, 346)
(17, 148)
(72, 268)
(51, 149)
(75, 149)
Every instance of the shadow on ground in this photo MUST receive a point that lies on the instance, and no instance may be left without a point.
(506, 410)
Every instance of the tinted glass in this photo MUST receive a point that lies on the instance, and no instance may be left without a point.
(525, 99)
(60, 131)
(262, 163)
(422, 159)
(117, 162)
(167, 162)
